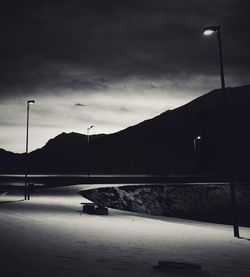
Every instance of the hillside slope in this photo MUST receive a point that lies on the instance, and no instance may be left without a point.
(163, 144)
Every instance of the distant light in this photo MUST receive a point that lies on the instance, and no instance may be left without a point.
(208, 32)
(199, 137)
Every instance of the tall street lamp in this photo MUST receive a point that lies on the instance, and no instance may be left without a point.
(92, 126)
(27, 147)
(208, 31)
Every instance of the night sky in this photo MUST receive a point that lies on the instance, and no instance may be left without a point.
(111, 63)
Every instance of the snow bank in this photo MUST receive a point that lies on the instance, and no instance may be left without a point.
(209, 203)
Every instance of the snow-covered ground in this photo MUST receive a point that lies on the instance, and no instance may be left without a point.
(49, 236)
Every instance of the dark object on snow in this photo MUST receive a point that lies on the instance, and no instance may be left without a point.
(92, 208)
(28, 190)
(177, 265)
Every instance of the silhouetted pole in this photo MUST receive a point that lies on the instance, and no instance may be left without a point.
(26, 193)
(89, 148)
(209, 31)
(234, 210)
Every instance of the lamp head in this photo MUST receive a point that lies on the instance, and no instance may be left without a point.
(92, 126)
(208, 31)
(31, 101)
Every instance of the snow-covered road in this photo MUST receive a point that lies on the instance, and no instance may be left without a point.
(49, 236)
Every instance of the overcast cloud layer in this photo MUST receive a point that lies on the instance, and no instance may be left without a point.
(111, 63)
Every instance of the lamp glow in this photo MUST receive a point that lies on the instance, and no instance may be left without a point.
(208, 32)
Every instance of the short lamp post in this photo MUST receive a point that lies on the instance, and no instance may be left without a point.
(216, 30)
(196, 153)
(195, 143)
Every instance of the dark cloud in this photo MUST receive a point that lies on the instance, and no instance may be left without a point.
(80, 105)
(87, 45)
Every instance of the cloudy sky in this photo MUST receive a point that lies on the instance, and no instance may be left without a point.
(111, 63)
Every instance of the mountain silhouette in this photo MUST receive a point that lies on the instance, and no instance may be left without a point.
(165, 144)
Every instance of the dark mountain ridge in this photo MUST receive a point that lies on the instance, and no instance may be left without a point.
(163, 144)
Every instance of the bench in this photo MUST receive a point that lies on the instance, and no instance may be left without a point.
(93, 208)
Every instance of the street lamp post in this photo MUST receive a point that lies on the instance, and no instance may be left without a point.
(89, 147)
(208, 31)
(27, 149)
